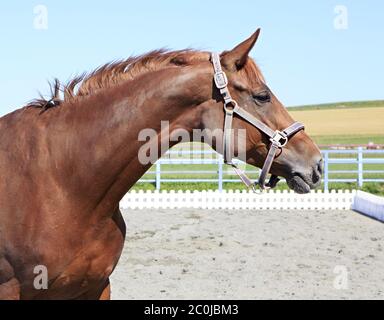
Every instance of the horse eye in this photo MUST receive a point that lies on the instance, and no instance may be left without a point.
(262, 97)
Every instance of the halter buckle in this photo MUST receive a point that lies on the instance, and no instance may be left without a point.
(279, 139)
(221, 80)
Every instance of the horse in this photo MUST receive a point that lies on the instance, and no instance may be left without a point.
(67, 161)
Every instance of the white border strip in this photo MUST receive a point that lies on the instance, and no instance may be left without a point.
(247, 200)
(369, 204)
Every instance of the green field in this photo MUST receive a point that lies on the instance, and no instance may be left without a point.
(199, 171)
(349, 123)
(348, 139)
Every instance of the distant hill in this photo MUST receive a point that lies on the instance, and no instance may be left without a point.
(340, 105)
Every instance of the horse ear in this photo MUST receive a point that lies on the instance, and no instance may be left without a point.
(237, 57)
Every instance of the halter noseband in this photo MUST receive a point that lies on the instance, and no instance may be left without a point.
(278, 138)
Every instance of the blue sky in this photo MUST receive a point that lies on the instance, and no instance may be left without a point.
(304, 58)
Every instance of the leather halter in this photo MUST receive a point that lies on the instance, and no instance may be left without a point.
(278, 138)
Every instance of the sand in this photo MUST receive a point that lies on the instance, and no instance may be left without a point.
(228, 254)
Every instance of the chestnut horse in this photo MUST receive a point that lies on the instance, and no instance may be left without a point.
(65, 163)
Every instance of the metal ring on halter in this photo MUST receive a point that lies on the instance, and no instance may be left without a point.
(233, 105)
(278, 137)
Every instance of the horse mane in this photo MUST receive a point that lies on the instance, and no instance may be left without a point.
(119, 71)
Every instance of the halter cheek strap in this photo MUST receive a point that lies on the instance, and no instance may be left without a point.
(277, 138)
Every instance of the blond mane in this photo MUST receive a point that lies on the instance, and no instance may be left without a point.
(116, 72)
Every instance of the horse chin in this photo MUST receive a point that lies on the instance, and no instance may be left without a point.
(298, 184)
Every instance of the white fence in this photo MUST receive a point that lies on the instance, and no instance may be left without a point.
(247, 200)
(369, 204)
(352, 166)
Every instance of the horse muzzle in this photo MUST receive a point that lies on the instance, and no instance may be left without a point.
(302, 180)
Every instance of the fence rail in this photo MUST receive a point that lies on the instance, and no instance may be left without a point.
(352, 166)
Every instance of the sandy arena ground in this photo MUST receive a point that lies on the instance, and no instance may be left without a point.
(228, 254)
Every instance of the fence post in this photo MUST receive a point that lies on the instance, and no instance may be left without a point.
(220, 172)
(158, 174)
(360, 167)
(326, 170)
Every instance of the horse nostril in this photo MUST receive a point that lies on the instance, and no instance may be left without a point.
(320, 166)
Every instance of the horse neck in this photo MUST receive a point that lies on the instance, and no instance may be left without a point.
(101, 161)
